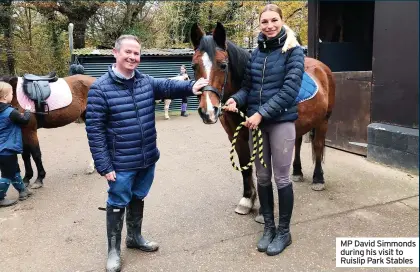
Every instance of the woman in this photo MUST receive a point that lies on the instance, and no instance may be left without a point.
(271, 85)
(183, 71)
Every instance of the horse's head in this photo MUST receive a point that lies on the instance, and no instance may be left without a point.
(211, 61)
(12, 80)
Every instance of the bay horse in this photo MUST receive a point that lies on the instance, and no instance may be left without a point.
(224, 63)
(79, 86)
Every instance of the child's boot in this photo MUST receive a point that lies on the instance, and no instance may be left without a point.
(24, 192)
(4, 185)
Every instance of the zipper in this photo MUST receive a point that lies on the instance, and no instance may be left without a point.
(262, 79)
(139, 122)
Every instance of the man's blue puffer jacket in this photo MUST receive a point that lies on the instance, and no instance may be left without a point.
(120, 122)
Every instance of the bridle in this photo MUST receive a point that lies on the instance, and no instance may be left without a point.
(214, 90)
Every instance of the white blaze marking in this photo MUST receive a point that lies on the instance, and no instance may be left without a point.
(207, 64)
(209, 106)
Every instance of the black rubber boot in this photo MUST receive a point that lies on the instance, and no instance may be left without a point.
(265, 194)
(134, 221)
(114, 225)
(283, 237)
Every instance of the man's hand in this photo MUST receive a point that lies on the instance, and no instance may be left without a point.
(253, 121)
(230, 105)
(111, 176)
(202, 82)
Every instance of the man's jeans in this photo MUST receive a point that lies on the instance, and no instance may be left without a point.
(129, 185)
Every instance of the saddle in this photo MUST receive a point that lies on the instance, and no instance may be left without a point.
(37, 88)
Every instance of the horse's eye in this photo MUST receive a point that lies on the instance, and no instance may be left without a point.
(223, 65)
(194, 66)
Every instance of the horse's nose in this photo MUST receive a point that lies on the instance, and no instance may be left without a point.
(202, 114)
(209, 117)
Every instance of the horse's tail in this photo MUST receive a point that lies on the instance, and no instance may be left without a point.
(331, 102)
(331, 93)
(312, 137)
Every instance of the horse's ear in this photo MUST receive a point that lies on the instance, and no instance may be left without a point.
(196, 35)
(13, 81)
(219, 35)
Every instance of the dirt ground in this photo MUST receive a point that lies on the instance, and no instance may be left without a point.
(190, 209)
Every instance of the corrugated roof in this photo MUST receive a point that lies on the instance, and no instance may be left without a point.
(144, 52)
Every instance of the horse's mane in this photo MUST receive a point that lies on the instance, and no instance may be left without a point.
(238, 59)
(208, 45)
(6, 78)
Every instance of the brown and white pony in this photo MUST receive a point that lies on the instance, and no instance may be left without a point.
(79, 86)
(223, 63)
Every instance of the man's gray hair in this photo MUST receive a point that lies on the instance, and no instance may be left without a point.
(125, 37)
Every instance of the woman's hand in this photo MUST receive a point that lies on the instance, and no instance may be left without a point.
(230, 105)
(253, 121)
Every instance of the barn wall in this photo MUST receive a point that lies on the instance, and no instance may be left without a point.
(395, 96)
(156, 66)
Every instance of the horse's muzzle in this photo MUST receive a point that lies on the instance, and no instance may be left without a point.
(209, 117)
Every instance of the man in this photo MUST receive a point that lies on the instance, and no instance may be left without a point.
(120, 125)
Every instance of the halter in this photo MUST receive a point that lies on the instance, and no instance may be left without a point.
(215, 90)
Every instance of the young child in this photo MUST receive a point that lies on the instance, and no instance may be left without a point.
(11, 145)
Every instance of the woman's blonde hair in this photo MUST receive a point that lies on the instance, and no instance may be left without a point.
(271, 7)
(5, 89)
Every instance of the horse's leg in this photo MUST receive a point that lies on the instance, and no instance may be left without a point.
(36, 155)
(229, 122)
(91, 167)
(26, 157)
(249, 195)
(166, 108)
(297, 175)
(318, 144)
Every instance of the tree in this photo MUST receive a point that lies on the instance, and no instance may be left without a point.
(116, 18)
(77, 12)
(6, 28)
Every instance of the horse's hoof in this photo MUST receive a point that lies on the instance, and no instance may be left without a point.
(26, 181)
(259, 219)
(318, 186)
(89, 171)
(244, 206)
(91, 167)
(297, 178)
(37, 184)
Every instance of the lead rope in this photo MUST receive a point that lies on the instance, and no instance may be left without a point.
(257, 143)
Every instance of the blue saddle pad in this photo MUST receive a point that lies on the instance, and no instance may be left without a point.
(307, 90)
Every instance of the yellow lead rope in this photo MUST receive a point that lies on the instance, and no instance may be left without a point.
(257, 143)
